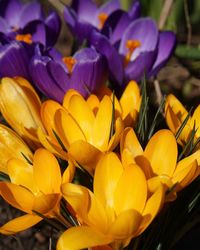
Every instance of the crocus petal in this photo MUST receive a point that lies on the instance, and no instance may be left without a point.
(152, 207)
(21, 173)
(162, 144)
(11, 10)
(83, 115)
(68, 239)
(84, 10)
(135, 9)
(19, 224)
(137, 31)
(166, 45)
(130, 101)
(107, 175)
(161, 180)
(17, 196)
(37, 30)
(125, 225)
(14, 60)
(68, 96)
(110, 6)
(44, 204)
(130, 142)
(47, 176)
(126, 196)
(53, 26)
(4, 27)
(102, 126)
(195, 120)
(30, 12)
(118, 128)
(69, 172)
(11, 146)
(89, 156)
(103, 46)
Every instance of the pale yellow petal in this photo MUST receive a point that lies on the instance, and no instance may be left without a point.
(107, 175)
(93, 102)
(68, 96)
(17, 196)
(46, 171)
(161, 151)
(131, 190)
(19, 224)
(81, 112)
(125, 225)
(87, 237)
(85, 155)
(102, 124)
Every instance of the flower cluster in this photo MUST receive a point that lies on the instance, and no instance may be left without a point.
(62, 118)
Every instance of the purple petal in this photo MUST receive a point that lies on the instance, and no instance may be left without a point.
(89, 72)
(53, 26)
(43, 80)
(85, 10)
(143, 30)
(14, 60)
(30, 12)
(10, 11)
(137, 69)
(103, 46)
(166, 45)
(109, 7)
(37, 30)
(80, 30)
(135, 10)
(115, 25)
(4, 27)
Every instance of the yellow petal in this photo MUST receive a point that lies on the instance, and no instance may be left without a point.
(157, 181)
(48, 110)
(107, 175)
(130, 142)
(13, 98)
(19, 224)
(195, 120)
(102, 124)
(44, 204)
(81, 112)
(161, 151)
(88, 157)
(118, 129)
(93, 102)
(175, 112)
(21, 173)
(87, 237)
(17, 196)
(125, 225)
(46, 172)
(183, 176)
(131, 190)
(130, 100)
(76, 196)
(68, 96)
(11, 146)
(153, 206)
(69, 172)
(68, 129)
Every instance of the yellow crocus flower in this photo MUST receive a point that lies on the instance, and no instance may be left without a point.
(11, 146)
(20, 106)
(159, 160)
(175, 114)
(33, 188)
(118, 209)
(81, 128)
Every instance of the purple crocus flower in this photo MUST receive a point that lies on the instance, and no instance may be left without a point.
(142, 50)
(26, 22)
(54, 75)
(83, 16)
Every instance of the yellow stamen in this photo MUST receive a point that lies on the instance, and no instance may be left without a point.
(131, 45)
(27, 38)
(69, 62)
(102, 18)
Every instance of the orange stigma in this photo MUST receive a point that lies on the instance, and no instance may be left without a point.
(102, 18)
(131, 45)
(69, 62)
(27, 38)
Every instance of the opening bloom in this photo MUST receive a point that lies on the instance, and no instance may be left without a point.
(118, 209)
(159, 160)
